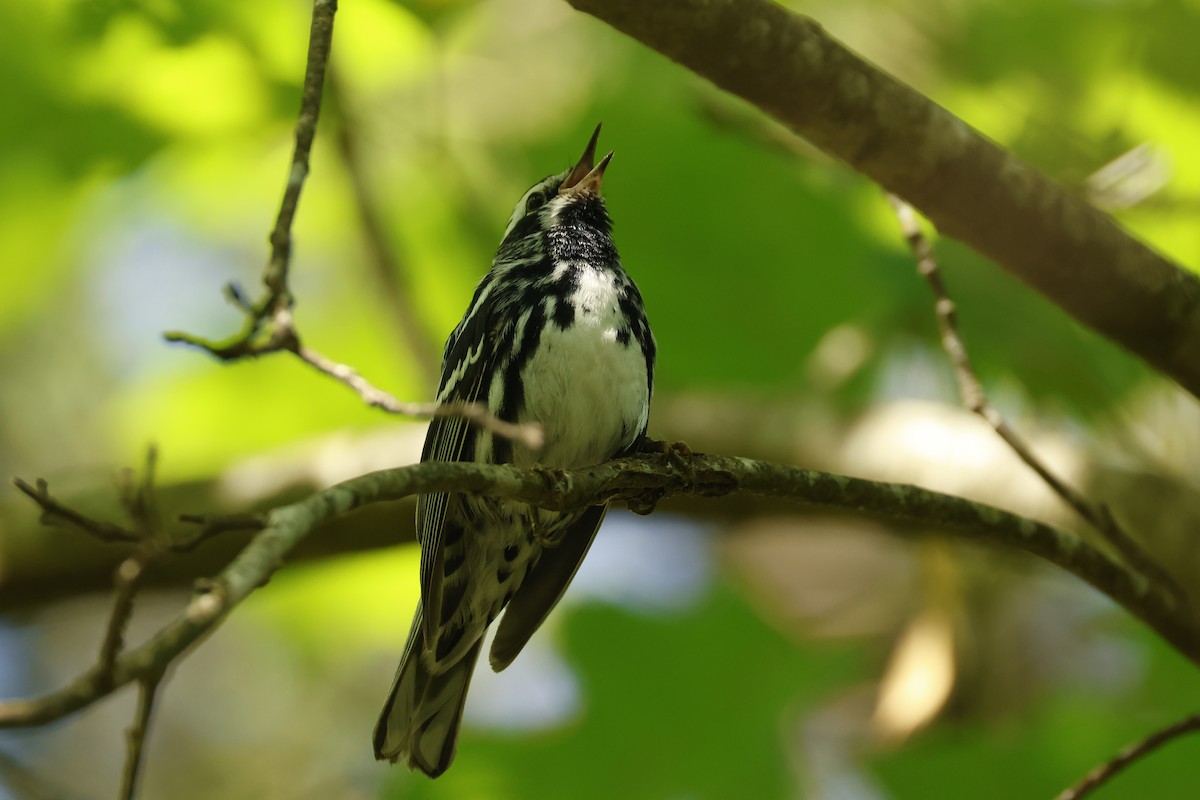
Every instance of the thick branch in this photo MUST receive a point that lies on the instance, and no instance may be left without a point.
(969, 187)
(641, 481)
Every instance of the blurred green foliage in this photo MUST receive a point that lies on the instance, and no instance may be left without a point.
(143, 150)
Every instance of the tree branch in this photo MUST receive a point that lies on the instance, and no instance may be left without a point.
(136, 735)
(1101, 774)
(639, 481)
(975, 399)
(529, 434)
(58, 515)
(970, 188)
(269, 326)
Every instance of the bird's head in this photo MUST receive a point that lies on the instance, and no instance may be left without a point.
(571, 195)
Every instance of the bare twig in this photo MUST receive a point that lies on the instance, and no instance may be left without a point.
(639, 481)
(1101, 774)
(528, 434)
(973, 397)
(138, 497)
(126, 581)
(211, 525)
(56, 514)
(135, 737)
(269, 326)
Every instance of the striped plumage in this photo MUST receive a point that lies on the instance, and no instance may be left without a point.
(555, 334)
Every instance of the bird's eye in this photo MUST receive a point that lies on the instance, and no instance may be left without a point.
(535, 201)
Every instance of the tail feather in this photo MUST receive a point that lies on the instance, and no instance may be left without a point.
(421, 718)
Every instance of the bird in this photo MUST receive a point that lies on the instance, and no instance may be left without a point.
(555, 334)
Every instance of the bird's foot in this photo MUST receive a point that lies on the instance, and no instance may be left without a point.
(556, 482)
(678, 456)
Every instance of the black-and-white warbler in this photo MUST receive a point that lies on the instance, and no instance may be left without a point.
(555, 334)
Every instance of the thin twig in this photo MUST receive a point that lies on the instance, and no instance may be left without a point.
(1101, 774)
(320, 40)
(56, 514)
(270, 327)
(136, 735)
(139, 499)
(528, 434)
(126, 580)
(138, 496)
(211, 525)
(973, 397)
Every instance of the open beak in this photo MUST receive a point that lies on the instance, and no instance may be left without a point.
(585, 176)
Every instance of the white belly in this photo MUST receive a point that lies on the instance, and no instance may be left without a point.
(586, 388)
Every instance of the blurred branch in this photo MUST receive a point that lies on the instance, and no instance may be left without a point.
(1101, 774)
(139, 499)
(136, 735)
(640, 482)
(973, 397)
(210, 525)
(389, 270)
(270, 326)
(969, 187)
(127, 581)
(56, 514)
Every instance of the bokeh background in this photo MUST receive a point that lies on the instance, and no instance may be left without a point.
(717, 649)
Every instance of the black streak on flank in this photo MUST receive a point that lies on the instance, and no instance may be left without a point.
(514, 385)
(503, 574)
(511, 552)
(564, 314)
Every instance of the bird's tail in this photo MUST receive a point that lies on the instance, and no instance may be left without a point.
(422, 714)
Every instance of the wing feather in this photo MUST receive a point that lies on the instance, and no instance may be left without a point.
(467, 364)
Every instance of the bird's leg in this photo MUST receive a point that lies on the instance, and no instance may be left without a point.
(677, 452)
(677, 455)
(548, 535)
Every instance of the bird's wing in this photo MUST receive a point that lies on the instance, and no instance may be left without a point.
(467, 363)
(543, 587)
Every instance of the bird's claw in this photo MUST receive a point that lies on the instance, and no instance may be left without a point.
(555, 481)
